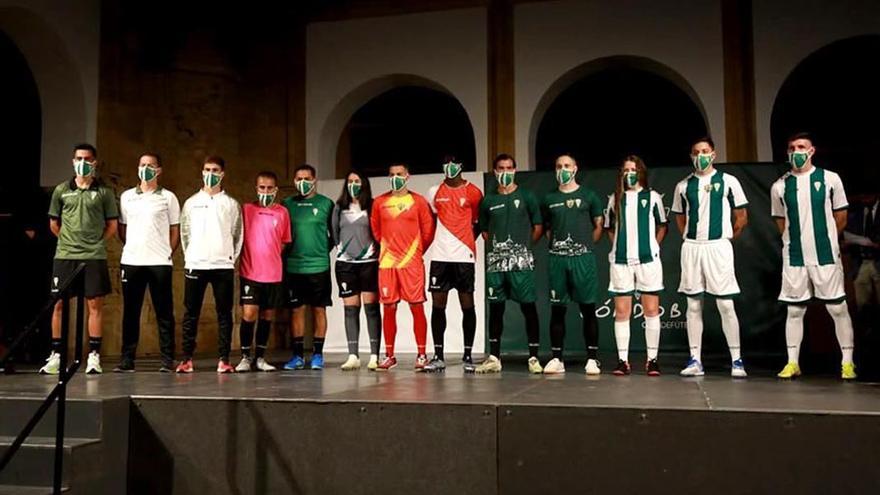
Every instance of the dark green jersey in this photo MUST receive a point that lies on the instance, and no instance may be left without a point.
(310, 226)
(83, 214)
(570, 216)
(508, 219)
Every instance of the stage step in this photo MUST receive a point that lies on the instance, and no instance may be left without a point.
(95, 446)
(29, 490)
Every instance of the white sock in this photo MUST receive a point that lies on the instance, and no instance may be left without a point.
(621, 335)
(843, 327)
(730, 326)
(695, 326)
(652, 335)
(794, 331)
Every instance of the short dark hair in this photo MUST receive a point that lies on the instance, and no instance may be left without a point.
(306, 166)
(154, 155)
(86, 147)
(705, 139)
(502, 157)
(799, 135)
(215, 159)
(268, 174)
(570, 155)
(399, 164)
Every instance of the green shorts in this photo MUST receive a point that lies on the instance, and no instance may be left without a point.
(518, 286)
(573, 279)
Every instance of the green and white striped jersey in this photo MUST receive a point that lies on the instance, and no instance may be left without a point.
(635, 230)
(808, 202)
(707, 201)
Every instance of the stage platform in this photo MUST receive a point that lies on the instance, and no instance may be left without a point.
(401, 432)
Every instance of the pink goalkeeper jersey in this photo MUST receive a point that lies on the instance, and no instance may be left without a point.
(266, 230)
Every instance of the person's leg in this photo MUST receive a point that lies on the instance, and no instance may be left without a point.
(622, 314)
(420, 326)
(352, 310)
(438, 319)
(319, 315)
(843, 328)
(161, 292)
(694, 317)
(533, 333)
(557, 330)
(249, 315)
(389, 327)
(195, 284)
(651, 305)
(298, 329)
(134, 280)
(590, 329)
(496, 327)
(374, 320)
(264, 327)
(468, 321)
(730, 326)
(223, 285)
(95, 306)
(794, 331)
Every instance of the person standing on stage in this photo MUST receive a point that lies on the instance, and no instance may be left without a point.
(510, 220)
(83, 215)
(710, 208)
(266, 232)
(810, 208)
(211, 232)
(308, 265)
(457, 205)
(149, 228)
(636, 224)
(402, 223)
(357, 266)
(573, 216)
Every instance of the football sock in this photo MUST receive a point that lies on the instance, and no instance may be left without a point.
(843, 327)
(652, 336)
(389, 328)
(530, 313)
(469, 328)
(374, 326)
(420, 326)
(557, 330)
(438, 328)
(621, 336)
(352, 328)
(246, 336)
(496, 327)
(591, 330)
(794, 331)
(730, 326)
(695, 325)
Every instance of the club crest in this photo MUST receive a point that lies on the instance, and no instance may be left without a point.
(491, 290)
(344, 285)
(461, 201)
(569, 203)
(247, 289)
(577, 202)
(717, 186)
(817, 185)
(516, 203)
(314, 211)
(644, 203)
(55, 281)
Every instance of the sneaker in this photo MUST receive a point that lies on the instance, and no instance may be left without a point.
(185, 366)
(421, 362)
(167, 367)
(352, 363)
(223, 366)
(693, 368)
(387, 363)
(467, 363)
(436, 365)
(622, 368)
(317, 362)
(554, 367)
(848, 371)
(244, 365)
(791, 370)
(93, 364)
(737, 370)
(374, 362)
(295, 363)
(490, 365)
(53, 364)
(263, 365)
(535, 367)
(124, 366)
(592, 367)
(652, 367)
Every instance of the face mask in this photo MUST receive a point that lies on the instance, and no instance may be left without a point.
(398, 182)
(354, 189)
(505, 178)
(210, 179)
(305, 186)
(266, 199)
(451, 169)
(798, 158)
(564, 176)
(630, 179)
(83, 168)
(146, 174)
(702, 162)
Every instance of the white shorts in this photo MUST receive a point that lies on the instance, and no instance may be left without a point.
(802, 283)
(707, 267)
(645, 278)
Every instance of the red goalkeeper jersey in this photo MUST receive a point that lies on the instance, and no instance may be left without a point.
(458, 210)
(403, 226)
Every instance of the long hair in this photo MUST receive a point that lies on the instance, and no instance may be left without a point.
(365, 198)
(641, 169)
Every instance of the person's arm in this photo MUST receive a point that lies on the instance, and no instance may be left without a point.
(237, 229)
(120, 232)
(609, 219)
(740, 220)
(185, 220)
(55, 207)
(840, 219)
(777, 207)
(174, 237)
(839, 203)
(476, 199)
(780, 224)
(426, 224)
(334, 224)
(678, 205)
(376, 221)
(660, 220)
(173, 221)
(111, 214)
(738, 202)
(110, 227)
(597, 229)
(598, 217)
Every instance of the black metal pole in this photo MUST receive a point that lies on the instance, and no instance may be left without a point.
(62, 396)
(80, 326)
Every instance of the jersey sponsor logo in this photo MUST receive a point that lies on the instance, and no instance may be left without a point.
(491, 208)
(71, 193)
(817, 185)
(556, 205)
(515, 203)
(442, 200)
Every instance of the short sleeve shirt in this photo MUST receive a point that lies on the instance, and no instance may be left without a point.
(570, 217)
(148, 218)
(310, 227)
(266, 231)
(83, 214)
(508, 219)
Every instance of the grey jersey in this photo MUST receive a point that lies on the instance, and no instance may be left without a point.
(352, 235)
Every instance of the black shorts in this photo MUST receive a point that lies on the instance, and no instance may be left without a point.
(354, 278)
(309, 289)
(448, 275)
(266, 295)
(95, 281)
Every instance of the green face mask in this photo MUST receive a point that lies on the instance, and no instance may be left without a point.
(564, 176)
(354, 189)
(83, 168)
(266, 199)
(451, 170)
(798, 159)
(147, 174)
(210, 179)
(305, 186)
(505, 178)
(702, 162)
(630, 179)
(398, 182)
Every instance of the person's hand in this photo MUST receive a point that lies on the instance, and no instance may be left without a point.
(30, 233)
